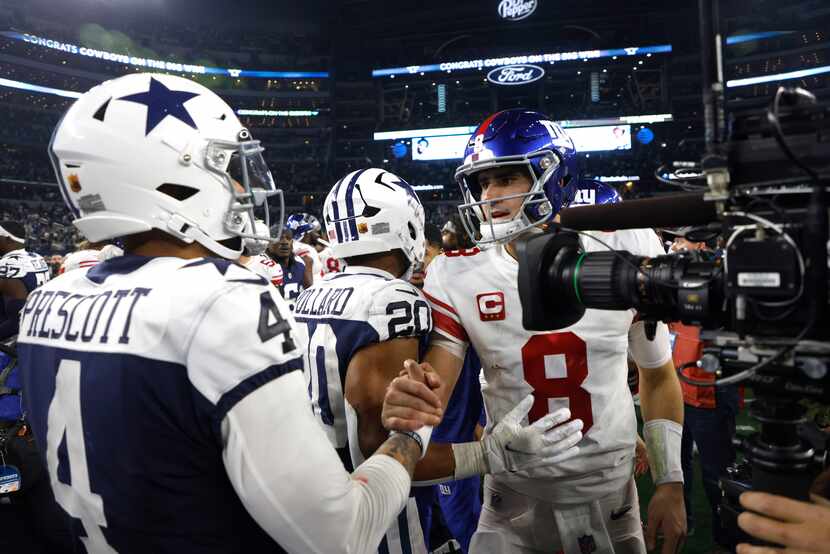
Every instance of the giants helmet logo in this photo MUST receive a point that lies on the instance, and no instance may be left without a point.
(491, 306)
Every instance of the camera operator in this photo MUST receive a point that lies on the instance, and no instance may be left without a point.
(708, 413)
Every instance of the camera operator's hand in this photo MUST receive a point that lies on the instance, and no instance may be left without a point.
(800, 527)
(667, 513)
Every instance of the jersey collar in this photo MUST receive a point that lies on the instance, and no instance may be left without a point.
(363, 270)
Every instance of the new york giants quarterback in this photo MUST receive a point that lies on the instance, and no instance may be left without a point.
(519, 170)
(159, 382)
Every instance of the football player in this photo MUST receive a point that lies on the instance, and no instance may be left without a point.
(165, 386)
(365, 322)
(519, 171)
(592, 192)
(88, 255)
(325, 262)
(296, 274)
(453, 235)
(306, 230)
(432, 247)
(21, 272)
(254, 258)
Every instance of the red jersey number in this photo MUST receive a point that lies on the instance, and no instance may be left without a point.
(570, 386)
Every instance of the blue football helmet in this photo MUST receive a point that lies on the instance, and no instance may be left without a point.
(302, 223)
(524, 138)
(592, 192)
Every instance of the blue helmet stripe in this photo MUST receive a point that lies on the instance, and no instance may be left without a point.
(350, 205)
(337, 223)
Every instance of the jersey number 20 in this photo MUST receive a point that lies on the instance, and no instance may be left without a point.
(570, 386)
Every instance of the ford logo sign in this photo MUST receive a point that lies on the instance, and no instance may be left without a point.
(514, 10)
(515, 74)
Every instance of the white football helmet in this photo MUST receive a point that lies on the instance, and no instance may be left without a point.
(252, 246)
(372, 211)
(148, 151)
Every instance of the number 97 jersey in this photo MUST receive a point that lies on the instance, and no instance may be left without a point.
(475, 300)
(342, 313)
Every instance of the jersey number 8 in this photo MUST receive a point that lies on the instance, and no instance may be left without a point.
(570, 386)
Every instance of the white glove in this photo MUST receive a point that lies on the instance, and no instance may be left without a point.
(512, 446)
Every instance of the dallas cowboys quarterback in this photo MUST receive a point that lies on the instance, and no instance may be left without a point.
(166, 385)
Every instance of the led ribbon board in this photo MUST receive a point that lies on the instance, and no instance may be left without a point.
(161, 65)
(551, 58)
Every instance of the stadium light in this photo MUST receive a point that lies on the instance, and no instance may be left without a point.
(37, 88)
(801, 73)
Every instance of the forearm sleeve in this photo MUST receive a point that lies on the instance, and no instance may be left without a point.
(299, 491)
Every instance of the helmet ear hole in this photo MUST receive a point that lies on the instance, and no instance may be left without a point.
(179, 192)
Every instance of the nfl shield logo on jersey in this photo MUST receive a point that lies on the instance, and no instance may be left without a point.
(587, 544)
(491, 306)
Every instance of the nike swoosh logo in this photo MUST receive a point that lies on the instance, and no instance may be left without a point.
(413, 293)
(617, 514)
(519, 452)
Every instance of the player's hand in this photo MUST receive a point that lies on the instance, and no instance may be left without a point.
(513, 446)
(667, 514)
(640, 458)
(411, 401)
(800, 527)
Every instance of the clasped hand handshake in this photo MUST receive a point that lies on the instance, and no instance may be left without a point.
(412, 401)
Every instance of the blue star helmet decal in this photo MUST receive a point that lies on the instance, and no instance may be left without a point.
(162, 102)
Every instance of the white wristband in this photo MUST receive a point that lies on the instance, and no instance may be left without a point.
(470, 459)
(663, 438)
(420, 436)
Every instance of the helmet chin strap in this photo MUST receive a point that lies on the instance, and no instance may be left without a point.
(501, 230)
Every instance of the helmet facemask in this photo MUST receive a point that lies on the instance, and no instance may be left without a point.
(241, 163)
(536, 208)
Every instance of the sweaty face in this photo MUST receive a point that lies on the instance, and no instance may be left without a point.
(499, 183)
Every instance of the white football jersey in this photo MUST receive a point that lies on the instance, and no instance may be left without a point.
(131, 358)
(330, 263)
(28, 267)
(266, 268)
(343, 313)
(475, 300)
(84, 259)
(302, 249)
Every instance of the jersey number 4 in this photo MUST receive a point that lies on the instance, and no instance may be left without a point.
(573, 349)
(65, 421)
